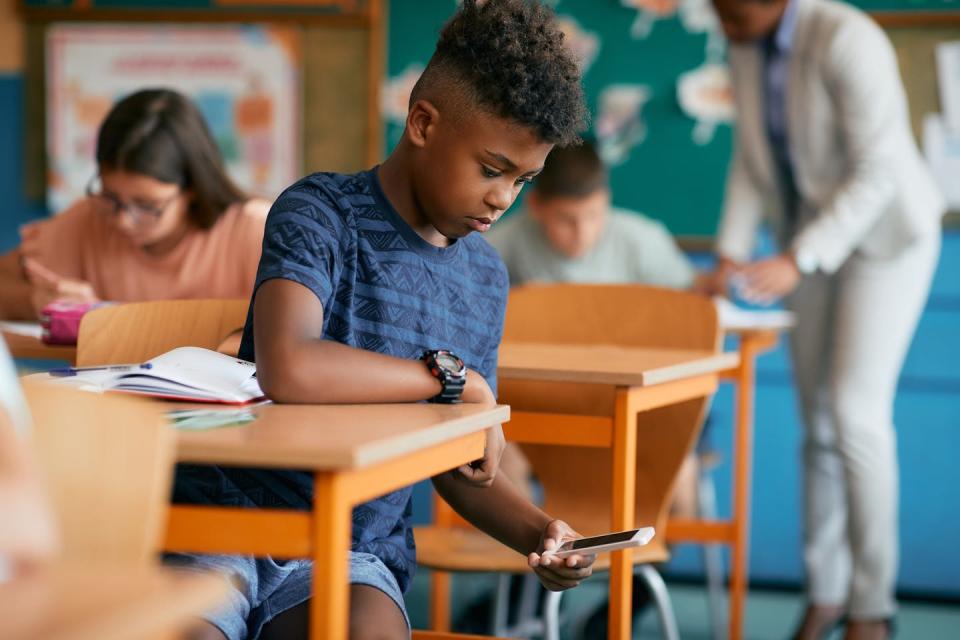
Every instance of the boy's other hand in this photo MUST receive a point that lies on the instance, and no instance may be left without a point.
(716, 282)
(480, 473)
(558, 574)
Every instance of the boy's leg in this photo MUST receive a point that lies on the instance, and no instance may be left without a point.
(229, 620)
(376, 603)
(203, 630)
(373, 614)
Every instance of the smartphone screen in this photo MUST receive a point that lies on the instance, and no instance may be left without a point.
(596, 541)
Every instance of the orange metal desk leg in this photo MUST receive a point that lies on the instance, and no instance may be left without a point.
(331, 547)
(623, 510)
(743, 463)
(440, 601)
(440, 582)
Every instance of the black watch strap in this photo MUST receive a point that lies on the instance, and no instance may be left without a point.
(453, 379)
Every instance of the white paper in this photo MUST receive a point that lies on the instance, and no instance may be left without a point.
(733, 318)
(948, 76)
(29, 329)
(942, 150)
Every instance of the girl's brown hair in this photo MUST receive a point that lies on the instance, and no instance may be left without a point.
(160, 133)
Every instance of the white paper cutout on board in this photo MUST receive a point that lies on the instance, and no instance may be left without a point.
(705, 94)
(395, 94)
(620, 126)
(696, 16)
(583, 45)
(648, 13)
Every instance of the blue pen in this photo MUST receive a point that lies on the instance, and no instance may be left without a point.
(72, 371)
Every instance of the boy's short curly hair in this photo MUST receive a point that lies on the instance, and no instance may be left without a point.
(509, 57)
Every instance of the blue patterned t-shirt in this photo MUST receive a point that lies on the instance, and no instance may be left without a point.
(383, 288)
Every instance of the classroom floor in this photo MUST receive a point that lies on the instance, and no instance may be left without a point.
(770, 614)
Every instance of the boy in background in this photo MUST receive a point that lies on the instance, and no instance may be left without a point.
(372, 288)
(570, 232)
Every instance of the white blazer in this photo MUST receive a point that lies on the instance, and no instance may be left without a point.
(862, 183)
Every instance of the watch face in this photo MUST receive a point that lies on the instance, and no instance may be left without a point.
(448, 363)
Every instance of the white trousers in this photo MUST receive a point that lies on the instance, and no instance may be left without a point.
(854, 328)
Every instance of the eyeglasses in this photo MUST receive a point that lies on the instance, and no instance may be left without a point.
(139, 213)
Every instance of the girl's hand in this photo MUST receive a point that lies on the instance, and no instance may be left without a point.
(48, 286)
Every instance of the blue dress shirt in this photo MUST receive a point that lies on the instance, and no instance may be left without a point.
(776, 56)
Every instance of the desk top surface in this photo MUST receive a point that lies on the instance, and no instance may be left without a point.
(31, 347)
(90, 603)
(607, 364)
(334, 437)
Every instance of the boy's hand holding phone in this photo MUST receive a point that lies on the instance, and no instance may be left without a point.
(558, 574)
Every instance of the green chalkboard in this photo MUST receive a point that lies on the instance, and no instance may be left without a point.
(907, 5)
(667, 175)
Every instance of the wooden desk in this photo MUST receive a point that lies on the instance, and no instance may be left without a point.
(356, 452)
(30, 347)
(643, 380)
(735, 532)
(104, 603)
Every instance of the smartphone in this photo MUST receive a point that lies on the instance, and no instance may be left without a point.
(606, 542)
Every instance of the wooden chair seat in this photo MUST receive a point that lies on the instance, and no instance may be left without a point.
(468, 550)
(138, 331)
(107, 462)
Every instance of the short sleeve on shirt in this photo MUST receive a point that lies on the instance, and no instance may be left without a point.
(304, 241)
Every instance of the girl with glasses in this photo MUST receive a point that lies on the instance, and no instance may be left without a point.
(161, 219)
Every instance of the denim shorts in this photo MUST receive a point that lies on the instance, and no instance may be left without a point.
(262, 588)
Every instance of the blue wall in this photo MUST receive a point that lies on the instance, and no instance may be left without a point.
(927, 416)
(15, 208)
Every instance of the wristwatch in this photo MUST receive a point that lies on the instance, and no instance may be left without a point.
(450, 371)
(805, 260)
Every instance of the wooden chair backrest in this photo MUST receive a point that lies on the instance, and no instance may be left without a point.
(107, 462)
(138, 331)
(577, 480)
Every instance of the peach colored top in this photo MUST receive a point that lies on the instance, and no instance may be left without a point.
(221, 262)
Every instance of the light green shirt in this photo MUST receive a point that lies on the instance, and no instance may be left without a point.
(632, 249)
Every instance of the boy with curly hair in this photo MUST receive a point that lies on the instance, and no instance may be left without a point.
(372, 287)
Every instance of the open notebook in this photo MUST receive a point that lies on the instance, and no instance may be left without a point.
(187, 373)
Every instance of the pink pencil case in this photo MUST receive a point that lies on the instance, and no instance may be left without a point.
(61, 320)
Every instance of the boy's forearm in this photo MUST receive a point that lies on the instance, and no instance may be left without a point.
(323, 371)
(296, 365)
(499, 511)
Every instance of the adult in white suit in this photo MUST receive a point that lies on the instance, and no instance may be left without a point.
(824, 151)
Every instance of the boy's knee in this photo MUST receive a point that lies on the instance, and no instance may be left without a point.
(369, 628)
(203, 630)
(375, 616)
